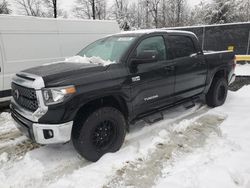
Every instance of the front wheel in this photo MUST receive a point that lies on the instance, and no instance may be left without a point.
(217, 93)
(101, 132)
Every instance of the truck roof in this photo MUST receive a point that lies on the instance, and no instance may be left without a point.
(149, 31)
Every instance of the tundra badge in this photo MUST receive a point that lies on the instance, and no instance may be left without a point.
(151, 98)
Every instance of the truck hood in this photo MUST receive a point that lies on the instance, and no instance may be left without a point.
(60, 73)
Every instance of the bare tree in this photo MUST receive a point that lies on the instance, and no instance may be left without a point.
(176, 12)
(145, 10)
(179, 10)
(199, 14)
(31, 7)
(221, 11)
(82, 9)
(133, 18)
(154, 9)
(4, 8)
(243, 10)
(52, 4)
(121, 8)
(92, 2)
(164, 12)
(101, 9)
(121, 12)
(90, 9)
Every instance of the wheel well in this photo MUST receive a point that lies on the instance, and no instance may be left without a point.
(113, 101)
(221, 73)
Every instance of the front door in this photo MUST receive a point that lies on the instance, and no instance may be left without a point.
(152, 83)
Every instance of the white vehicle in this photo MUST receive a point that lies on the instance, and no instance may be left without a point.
(29, 41)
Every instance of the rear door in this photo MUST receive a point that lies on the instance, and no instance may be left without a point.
(152, 83)
(190, 66)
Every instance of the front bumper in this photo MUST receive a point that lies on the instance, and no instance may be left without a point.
(43, 133)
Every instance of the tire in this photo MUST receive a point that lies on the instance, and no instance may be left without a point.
(100, 132)
(217, 93)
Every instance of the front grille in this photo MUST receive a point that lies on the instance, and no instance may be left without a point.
(25, 97)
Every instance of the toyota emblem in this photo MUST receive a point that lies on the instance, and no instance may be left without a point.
(16, 93)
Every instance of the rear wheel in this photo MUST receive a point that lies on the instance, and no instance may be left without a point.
(100, 132)
(217, 93)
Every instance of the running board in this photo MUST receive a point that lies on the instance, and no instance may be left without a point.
(154, 118)
(189, 104)
(144, 116)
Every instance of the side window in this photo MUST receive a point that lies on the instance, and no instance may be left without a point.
(153, 43)
(182, 46)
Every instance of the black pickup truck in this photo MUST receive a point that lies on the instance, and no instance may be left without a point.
(93, 103)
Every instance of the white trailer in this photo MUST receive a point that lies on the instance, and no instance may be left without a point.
(29, 41)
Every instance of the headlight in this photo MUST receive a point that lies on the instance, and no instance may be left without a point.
(57, 95)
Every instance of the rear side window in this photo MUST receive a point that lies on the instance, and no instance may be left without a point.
(181, 46)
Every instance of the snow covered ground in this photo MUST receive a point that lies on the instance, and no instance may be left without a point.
(199, 147)
(242, 70)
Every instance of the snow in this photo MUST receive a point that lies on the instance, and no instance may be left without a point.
(148, 31)
(242, 70)
(224, 161)
(199, 147)
(6, 123)
(4, 157)
(84, 59)
(142, 31)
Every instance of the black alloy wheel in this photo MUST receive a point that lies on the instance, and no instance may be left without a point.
(98, 132)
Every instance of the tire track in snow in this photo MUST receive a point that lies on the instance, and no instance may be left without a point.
(8, 136)
(170, 117)
(15, 144)
(12, 141)
(144, 172)
(18, 149)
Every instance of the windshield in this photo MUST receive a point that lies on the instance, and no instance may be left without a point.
(108, 49)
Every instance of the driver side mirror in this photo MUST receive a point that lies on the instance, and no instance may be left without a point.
(146, 56)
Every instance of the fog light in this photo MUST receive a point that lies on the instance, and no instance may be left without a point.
(48, 133)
